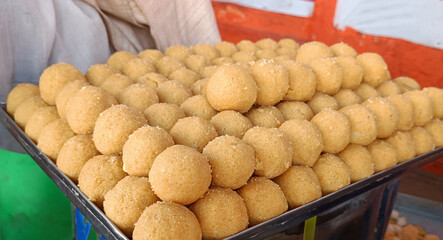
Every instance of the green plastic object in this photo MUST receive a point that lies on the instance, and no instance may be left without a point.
(309, 231)
(31, 205)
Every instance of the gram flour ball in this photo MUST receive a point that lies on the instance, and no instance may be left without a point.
(295, 110)
(173, 91)
(180, 174)
(221, 213)
(386, 115)
(273, 151)
(152, 55)
(20, 94)
(137, 67)
(266, 116)
(435, 128)
(300, 185)
(332, 172)
(423, 108)
(436, 95)
(198, 106)
(193, 132)
(119, 59)
(403, 144)
(84, 107)
(142, 147)
(406, 113)
(98, 73)
(74, 153)
(352, 71)
(53, 136)
(383, 154)
(375, 68)
(302, 81)
(54, 78)
(39, 119)
(329, 74)
(99, 175)
(306, 140)
(231, 123)
(138, 96)
(232, 161)
(363, 124)
(346, 97)
(167, 220)
(66, 93)
(25, 110)
(272, 81)
(264, 199)
(164, 115)
(343, 49)
(113, 127)
(335, 129)
(322, 101)
(312, 50)
(125, 202)
(359, 161)
(423, 140)
(231, 88)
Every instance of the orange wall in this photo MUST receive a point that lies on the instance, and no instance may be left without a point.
(404, 58)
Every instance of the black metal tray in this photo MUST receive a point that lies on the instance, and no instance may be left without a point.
(378, 188)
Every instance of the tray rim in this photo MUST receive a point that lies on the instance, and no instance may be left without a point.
(298, 215)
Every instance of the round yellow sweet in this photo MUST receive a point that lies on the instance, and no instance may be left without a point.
(403, 144)
(352, 71)
(74, 153)
(295, 110)
(54, 78)
(306, 140)
(137, 67)
(178, 52)
(406, 114)
(335, 129)
(205, 50)
(375, 68)
(423, 140)
(99, 175)
(343, 49)
(196, 63)
(272, 81)
(221, 213)
(383, 155)
(266, 116)
(300, 184)
(84, 107)
(388, 88)
(38, 120)
(312, 50)
(366, 91)
(291, 53)
(288, 43)
(184, 75)
(152, 55)
(152, 79)
(232, 161)
(164, 115)
(423, 108)
(20, 94)
(208, 71)
(265, 54)
(407, 84)
(166, 65)
(66, 93)
(264, 199)
(273, 151)
(180, 174)
(199, 87)
(119, 59)
(231, 123)
(115, 83)
(302, 81)
(25, 110)
(329, 74)
(198, 106)
(246, 45)
(267, 43)
(332, 172)
(53, 136)
(173, 91)
(142, 147)
(125, 202)
(225, 49)
(359, 161)
(346, 97)
(435, 128)
(193, 132)
(231, 88)
(321, 101)
(138, 96)
(244, 56)
(436, 95)
(113, 127)
(167, 220)
(363, 124)
(222, 60)
(386, 115)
